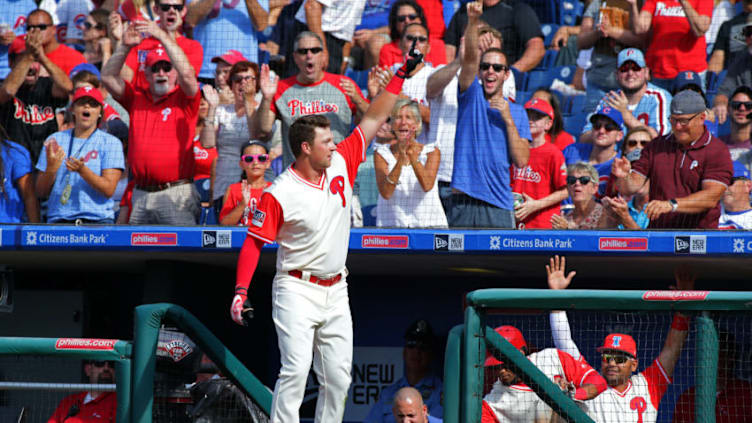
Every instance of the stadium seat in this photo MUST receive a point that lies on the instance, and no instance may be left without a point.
(574, 104)
(562, 73)
(569, 11)
(450, 8)
(549, 30)
(713, 81)
(360, 77)
(545, 9)
(520, 78)
(537, 78)
(573, 124)
(549, 59)
(521, 97)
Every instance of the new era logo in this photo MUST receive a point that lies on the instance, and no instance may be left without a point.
(449, 242)
(216, 239)
(693, 244)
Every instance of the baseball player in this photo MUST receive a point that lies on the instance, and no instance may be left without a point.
(510, 400)
(307, 212)
(629, 397)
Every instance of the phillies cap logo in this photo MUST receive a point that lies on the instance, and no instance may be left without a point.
(533, 102)
(87, 88)
(688, 75)
(615, 341)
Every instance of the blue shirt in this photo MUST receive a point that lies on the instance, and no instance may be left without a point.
(100, 151)
(580, 152)
(481, 153)
(16, 163)
(225, 28)
(430, 388)
(639, 216)
(13, 13)
(375, 14)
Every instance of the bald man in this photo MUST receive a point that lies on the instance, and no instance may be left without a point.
(409, 408)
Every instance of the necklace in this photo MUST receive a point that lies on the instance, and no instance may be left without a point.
(68, 188)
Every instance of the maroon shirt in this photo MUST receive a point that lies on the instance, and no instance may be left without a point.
(676, 172)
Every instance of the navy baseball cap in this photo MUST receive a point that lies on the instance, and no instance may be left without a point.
(687, 78)
(610, 113)
(631, 54)
(740, 171)
(420, 335)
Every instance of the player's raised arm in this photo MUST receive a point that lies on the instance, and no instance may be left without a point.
(685, 281)
(382, 105)
(556, 271)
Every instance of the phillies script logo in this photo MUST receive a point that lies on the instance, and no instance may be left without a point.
(623, 244)
(337, 186)
(314, 107)
(84, 344)
(32, 114)
(527, 174)
(675, 295)
(199, 153)
(141, 238)
(384, 241)
(91, 155)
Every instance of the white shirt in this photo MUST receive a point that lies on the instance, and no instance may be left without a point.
(735, 220)
(71, 14)
(339, 17)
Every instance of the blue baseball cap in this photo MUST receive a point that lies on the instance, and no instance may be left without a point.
(85, 67)
(610, 113)
(631, 54)
(687, 78)
(740, 171)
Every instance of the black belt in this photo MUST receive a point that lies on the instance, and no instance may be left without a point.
(164, 186)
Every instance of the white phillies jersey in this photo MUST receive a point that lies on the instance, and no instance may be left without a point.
(519, 403)
(637, 404)
(311, 221)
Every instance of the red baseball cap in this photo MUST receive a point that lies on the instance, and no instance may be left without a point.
(88, 91)
(156, 55)
(540, 105)
(619, 342)
(18, 45)
(511, 334)
(230, 56)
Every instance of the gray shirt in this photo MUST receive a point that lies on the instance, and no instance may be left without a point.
(739, 73)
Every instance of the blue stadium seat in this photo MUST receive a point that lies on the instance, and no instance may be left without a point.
(549, 59)
(569, 11)
(573, 124)
(537, 78)
(549, 30)
(521, 97)
(360, 77)
(575, 104)
(562, 73)
(520, 78)
(713, 81)
(450, 8)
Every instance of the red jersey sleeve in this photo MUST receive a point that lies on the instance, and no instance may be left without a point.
(231, 201)
(558, 171)
(353, 149)
(488, 415)
(267, 219)
(658, 381)
(247, 262)
(575, 371)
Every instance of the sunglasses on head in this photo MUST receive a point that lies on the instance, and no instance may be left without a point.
(89, 25)
(40, 27)
(403, 18)
(240, 78)
(584, 180)
(166, 7)
(629, 67)
(634, 143)
(618, 358)
(250, 158)
(610, 126)
(164, 66)
(420, 38)
(737, 105)
(498, 67)
(313, 50)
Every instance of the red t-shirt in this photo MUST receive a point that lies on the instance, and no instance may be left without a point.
(236, 196)
(137, 56)
(101, 409)
(160, 137)
(673, 46)
(562, 140)
(204, 158)
(545, 173)
(676, 172)
(434, 11)
(391, 53)
(66, 58)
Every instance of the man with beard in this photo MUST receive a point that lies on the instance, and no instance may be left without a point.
(163, 121)
(639, 102)
(90, 406)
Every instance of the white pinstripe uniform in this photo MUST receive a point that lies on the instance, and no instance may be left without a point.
(311, 224)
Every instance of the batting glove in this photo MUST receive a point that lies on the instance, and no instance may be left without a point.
(236, 309)
(414, 58)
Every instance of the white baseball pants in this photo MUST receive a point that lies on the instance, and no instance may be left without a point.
(314, 325)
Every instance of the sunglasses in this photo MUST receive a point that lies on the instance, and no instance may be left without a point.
(584, 180)
(608, 125)
(167, 7)
(420, 38)
(498, 67)
(102, 364)
(88, 25)
(164, 66)
(250, 158)
(242, 78)
(403, 18)
(40, 27)
(682, 121)
(313, 50)
(737, 105)
(635, 143)
(618, 358)
(629, 67)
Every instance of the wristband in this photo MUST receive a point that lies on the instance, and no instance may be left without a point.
(241, 290)
(680, 322)
(395, 84)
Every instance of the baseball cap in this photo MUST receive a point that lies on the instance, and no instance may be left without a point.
(619, 342)
(511, 334)
(419, 334)
(687, 78)
(740, 171)
(18, 45)
(157, 55)
(540, 105)
(687, 102)
(630, 54)
(88, 67)
(230, 56)
(610, 113)
(88, 91)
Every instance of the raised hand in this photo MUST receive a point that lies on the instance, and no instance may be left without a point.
(149, 28)
(500, 104)
(555, 270)
(621, 167)
(268, 83)
(350, 89)
(34, 42)
(685, 278)
(54, 154)
(116, 27)
(131, 36)
(211, 95)
(474, 10)
(414, 58)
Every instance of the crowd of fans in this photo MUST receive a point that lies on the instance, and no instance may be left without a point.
(178, 112)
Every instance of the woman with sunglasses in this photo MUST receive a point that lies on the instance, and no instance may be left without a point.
(241, 198)
(97, 45)
(582, 185)
(227, 125)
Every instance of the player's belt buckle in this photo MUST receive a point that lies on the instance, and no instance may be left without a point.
(316, 280)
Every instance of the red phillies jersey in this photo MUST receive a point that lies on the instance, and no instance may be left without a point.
(673, 47)
(137, 56)
(160, 137)
(236, 196)
(311, 221)
(101, 409)
(66, 58)
(545, 173)
(204, 158)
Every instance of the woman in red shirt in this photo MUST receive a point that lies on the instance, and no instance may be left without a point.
(241, 198)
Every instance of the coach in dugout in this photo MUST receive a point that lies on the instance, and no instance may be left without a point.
(89, 406)
(688, 169)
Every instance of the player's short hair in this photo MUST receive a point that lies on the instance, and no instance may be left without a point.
(306, 34)
(87, 77)
(584, 168)
(243, 66)
(412, 106)
(304, 130)
(494, 50)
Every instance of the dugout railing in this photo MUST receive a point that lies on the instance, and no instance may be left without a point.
(467, 343)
